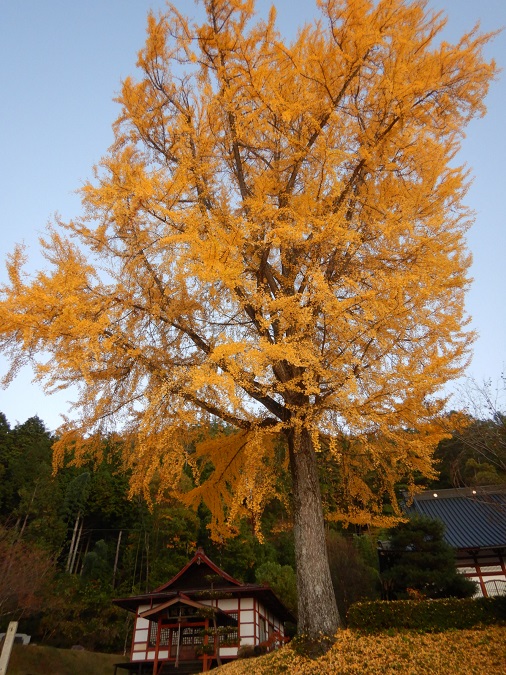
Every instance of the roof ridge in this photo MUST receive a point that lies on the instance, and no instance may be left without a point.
(199, 558)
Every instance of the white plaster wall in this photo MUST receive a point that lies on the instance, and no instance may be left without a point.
(228, 604)
(247, 616)
(141, 635)
(141, 626)
(249, 640)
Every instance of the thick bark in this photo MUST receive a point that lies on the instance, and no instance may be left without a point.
(317, 609)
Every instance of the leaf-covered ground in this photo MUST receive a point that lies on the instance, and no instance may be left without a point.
(470, 652)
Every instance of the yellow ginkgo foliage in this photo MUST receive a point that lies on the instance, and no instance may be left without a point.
(275, 239)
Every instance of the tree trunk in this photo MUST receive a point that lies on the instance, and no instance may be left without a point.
(71, 552)
(29, 509)
(85, 553)
(317, 608)
(116, 559)
(73, 565)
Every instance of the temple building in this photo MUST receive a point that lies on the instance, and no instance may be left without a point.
(199, 619)
(475, 527)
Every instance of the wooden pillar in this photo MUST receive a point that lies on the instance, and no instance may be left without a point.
(157, 645)
(205, 665)
(480, 577)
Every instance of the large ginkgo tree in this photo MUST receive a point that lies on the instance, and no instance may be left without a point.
(276, 239)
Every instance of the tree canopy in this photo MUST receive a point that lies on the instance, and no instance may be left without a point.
(276, 238)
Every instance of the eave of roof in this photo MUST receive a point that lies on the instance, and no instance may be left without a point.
(182, 599)
(264, 593)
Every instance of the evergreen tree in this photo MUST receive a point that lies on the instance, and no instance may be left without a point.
(5, 458)
(420, 560)
(282, 580)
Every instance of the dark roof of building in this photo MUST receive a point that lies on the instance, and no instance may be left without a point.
(201, 578)
(199, 572)
(473, 517)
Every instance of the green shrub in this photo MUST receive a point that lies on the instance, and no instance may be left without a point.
(428, 615)
(251, 651)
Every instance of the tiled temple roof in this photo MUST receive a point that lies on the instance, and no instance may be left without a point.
(473, 517)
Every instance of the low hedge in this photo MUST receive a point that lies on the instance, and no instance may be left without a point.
(427, 615)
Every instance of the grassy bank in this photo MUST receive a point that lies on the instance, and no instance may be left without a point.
(35, 660)
(467, 652)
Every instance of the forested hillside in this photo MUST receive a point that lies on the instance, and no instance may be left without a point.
(72, 541)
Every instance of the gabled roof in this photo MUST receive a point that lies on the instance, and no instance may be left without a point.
(473, 517)
(196, 580)
(182, 599)
(194, 573)
(179, 599)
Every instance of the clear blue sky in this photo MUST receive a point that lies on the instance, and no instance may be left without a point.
(61, 63)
